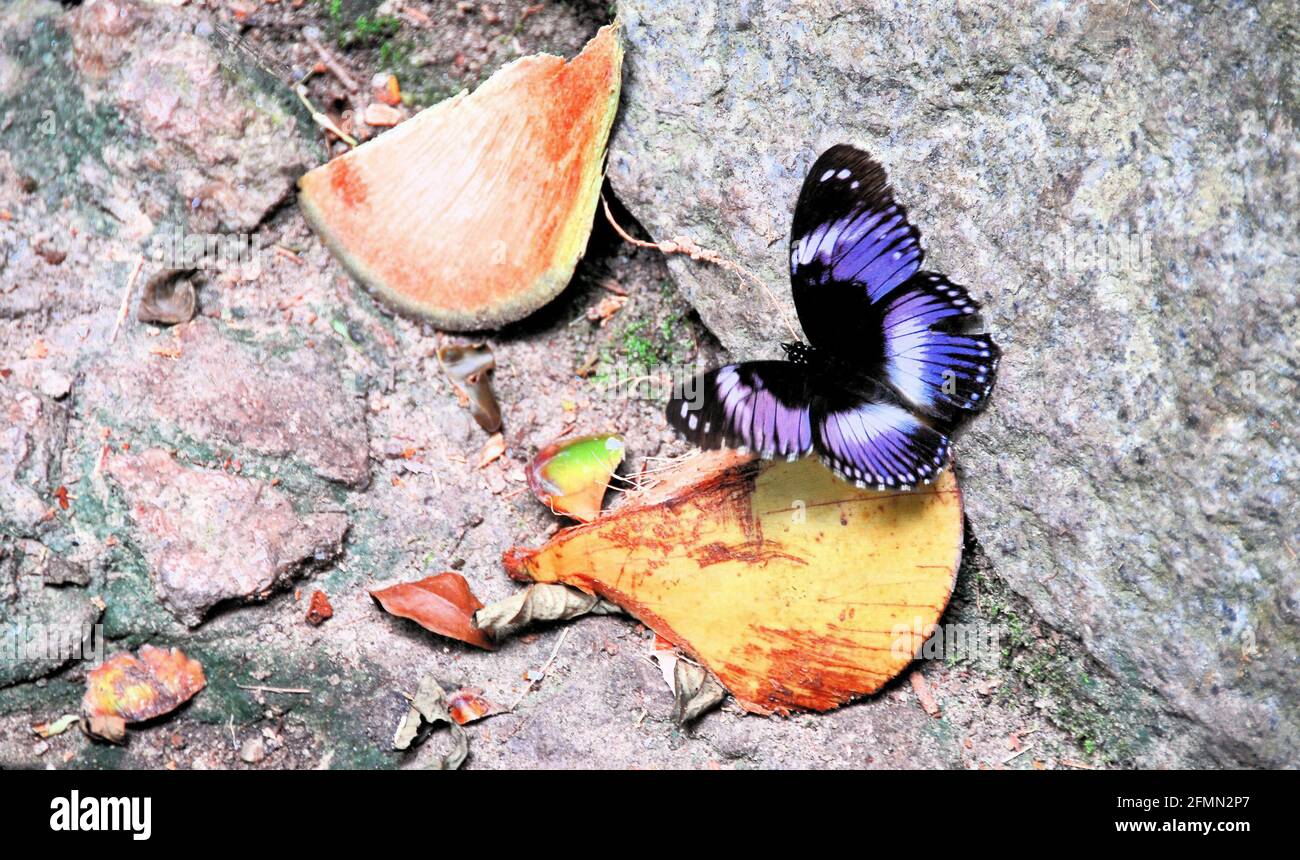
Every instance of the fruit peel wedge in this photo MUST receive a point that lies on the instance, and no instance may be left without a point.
(475, 212)
(795, 589)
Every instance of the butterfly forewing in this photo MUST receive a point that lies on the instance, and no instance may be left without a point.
(850, 245)
(928, 358)
(759, 405)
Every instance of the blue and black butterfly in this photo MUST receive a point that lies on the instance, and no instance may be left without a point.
(891, 367)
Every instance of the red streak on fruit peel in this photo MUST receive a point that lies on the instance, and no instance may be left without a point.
(345, 182)
(795, 589)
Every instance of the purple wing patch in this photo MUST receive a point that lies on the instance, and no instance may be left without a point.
(935, 367)
(850, 246)
(880, 444)
(891, 368)
(761, 406)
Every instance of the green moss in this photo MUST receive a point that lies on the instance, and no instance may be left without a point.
(368, 32)
(1111, 722)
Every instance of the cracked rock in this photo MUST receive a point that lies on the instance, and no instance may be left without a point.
(215, 390)
(33, 429)
(42, 629)
(210, 536)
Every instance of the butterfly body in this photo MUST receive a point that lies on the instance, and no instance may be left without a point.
(891, 368)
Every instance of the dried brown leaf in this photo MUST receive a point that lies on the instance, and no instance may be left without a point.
(442, 604)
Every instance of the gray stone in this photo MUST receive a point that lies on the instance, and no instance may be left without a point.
(210, 536)
(214, 390)
(230, 152)
(33, 429)
(1118, 186)
(42, 629)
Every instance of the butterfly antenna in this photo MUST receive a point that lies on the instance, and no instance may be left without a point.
(688, 246)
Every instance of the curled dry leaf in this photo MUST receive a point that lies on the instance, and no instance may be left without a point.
(542, 602)
(496, 231)
(442, 604)
(429, 706)
(131, 688)
(168, 298)
(468, 704)
(571, 476)
(468, 368)
(695, 692)
(794, 589)
(495, 447)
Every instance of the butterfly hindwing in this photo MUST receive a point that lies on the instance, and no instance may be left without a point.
(929, 360)
(759, 405)
(850, 245)
(877, 443)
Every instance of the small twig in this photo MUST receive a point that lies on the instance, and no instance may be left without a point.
(321, 119)
(542, 671)
(126, 296)
(261, 689)
(555, 652)
(1017, 754)
(686, 245)
(333, 64)
(923, 693)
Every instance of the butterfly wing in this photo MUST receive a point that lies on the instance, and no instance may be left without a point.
(874, 442)
(850, 246)
(855, 273)
(928, 358)
(759, 405)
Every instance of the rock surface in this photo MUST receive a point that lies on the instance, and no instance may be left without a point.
(213, 389)
(164, 73)
(210, 536)
(32, 432)
(42, 628)
(1118, 184)
(87, 190)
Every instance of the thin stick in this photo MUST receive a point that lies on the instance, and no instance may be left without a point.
(1017, 754)
(261, 689)
(126, 296)
(686, 245)
(322, 120)
(333, 65)
(542, 671)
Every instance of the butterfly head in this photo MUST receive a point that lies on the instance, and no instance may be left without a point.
(799, 353)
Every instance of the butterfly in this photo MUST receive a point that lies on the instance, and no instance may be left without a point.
(892, 366)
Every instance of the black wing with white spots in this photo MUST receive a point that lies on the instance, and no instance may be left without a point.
(760, 406)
